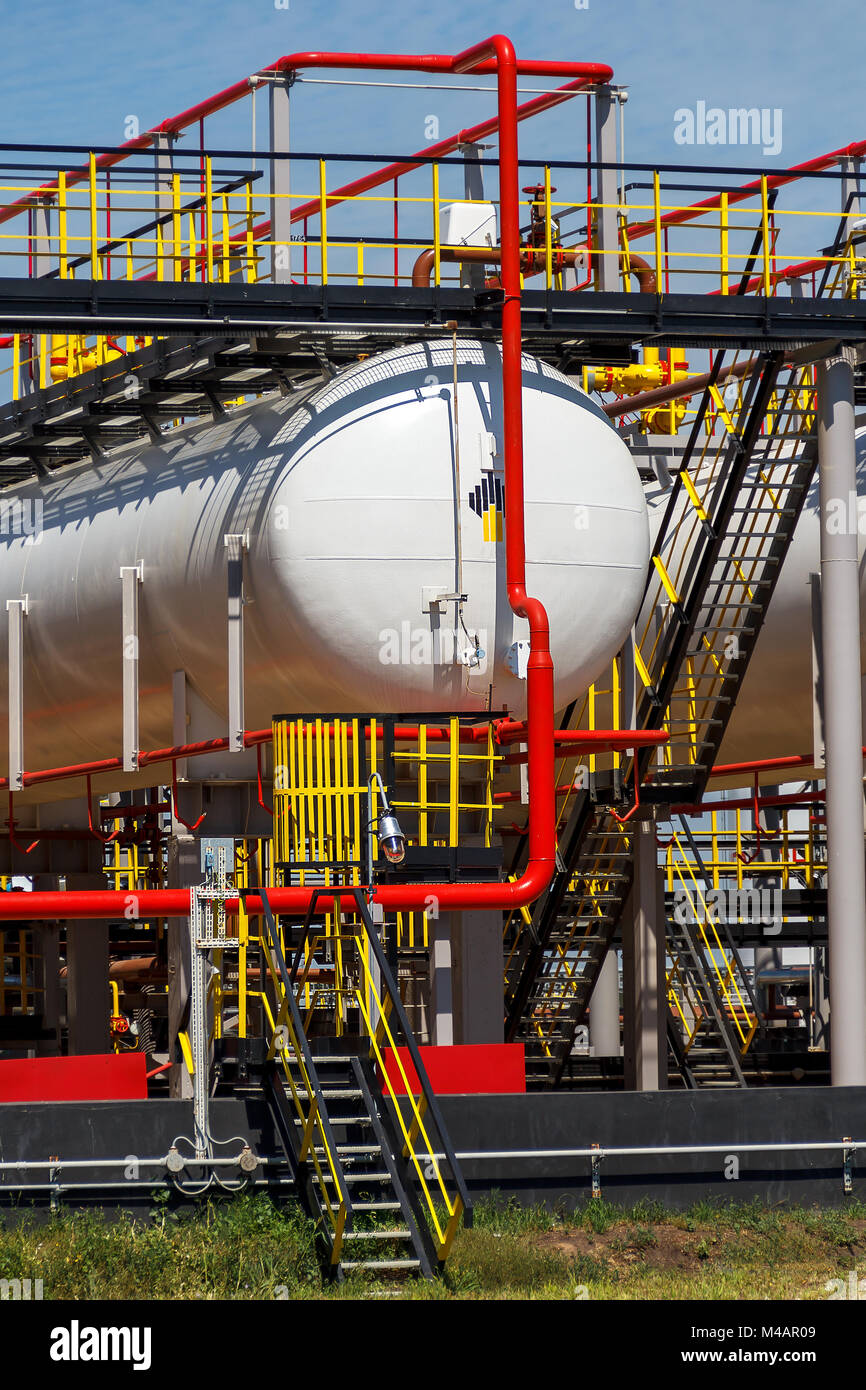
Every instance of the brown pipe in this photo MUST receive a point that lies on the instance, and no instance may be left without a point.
(533, 260)
(688, 387)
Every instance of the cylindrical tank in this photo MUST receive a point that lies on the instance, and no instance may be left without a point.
(365, 501)
(772, 716)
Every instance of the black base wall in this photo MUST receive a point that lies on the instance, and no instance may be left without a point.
(146, 1129)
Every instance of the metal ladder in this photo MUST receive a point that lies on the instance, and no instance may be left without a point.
(715, 566)
(352, 1157)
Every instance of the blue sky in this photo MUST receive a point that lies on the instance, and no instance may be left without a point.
(74, 72)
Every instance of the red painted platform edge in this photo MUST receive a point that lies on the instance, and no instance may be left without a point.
(473, 1069)
(120, 1076)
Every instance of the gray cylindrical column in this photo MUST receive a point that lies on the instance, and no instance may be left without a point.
(840, 614)
(604, 1033)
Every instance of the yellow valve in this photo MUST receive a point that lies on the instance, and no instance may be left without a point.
(69, 357)
(638, 376)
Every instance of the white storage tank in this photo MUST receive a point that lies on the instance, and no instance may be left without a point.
(361, 514)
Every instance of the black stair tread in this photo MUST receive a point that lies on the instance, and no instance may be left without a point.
(380, 1264)
(341, 1120)
(398, 1233)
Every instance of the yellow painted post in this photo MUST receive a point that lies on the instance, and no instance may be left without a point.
(176, 273)
(548, 233)
(225, 268)
(208, 221)
(765, 233)
(657, 220)
(360, 271)
(454, 783)
(130, 274)
(193, 248)
(723, 248)
(61, 223)
(16, 365)
(437, 244)
(323, 217)
(251, 254)
(160, 253)
(94, 253)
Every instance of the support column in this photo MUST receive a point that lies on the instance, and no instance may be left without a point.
(88, 996)
(840, 615)
(281, 208)
(607, 193)
(644, 1004)
(441, 998)
(472, 276)
(184, 869)
(604, 1030)
(476, 945)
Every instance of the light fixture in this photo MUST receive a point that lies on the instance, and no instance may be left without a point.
(391, 839)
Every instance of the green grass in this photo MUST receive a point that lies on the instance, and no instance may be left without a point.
(249, 1248)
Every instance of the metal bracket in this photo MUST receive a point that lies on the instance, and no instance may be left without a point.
(130, 577)
(17, 608)
(236, 544)
(595, 1162)
(848, 1165)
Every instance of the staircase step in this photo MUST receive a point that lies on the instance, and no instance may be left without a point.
(399, 1233)
(375, 1206)
(380, 1264)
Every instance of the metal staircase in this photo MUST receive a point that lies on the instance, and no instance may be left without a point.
(714, 1014)
(728, 522)
(372, 1163)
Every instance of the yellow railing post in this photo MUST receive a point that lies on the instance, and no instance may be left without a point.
(251, 253)
(437, 245)
(61, 223)
(16, 365)
(548, 232)
(323, 218)
(765, 233)
(657, 222)
(208, 221)
(723, 249)
(94, 252)
(225, 268)
(176, 273)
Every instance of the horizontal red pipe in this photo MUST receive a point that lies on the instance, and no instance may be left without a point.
(595, 740)
(584, 73)
(746, 803)
(474, 134)
(738, 195)
(788, 272)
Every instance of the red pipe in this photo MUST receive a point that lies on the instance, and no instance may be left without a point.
(379, 177)
(585, 73)
(748, 190)
(539, 684)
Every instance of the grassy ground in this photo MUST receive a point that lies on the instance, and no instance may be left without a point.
(249, 1249)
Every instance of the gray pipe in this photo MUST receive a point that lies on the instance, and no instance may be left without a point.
(840, 614)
